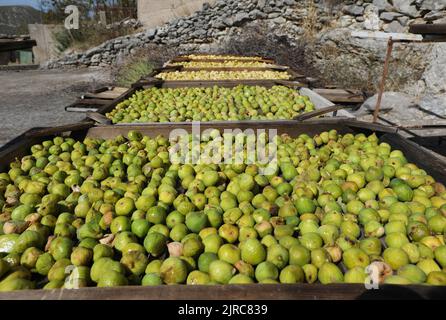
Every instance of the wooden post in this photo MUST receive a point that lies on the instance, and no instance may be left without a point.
(384, 78)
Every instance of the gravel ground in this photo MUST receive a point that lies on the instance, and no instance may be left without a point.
(37, 98)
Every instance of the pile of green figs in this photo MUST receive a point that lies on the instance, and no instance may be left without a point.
(211, 104)
(118, 212)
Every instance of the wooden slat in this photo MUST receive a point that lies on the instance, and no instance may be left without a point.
(108, 95)
(92, 101)
(319, 112)
(80, 109)
(386, 35)
(41, 132)
(341, 95)
(235, 292)
(8, 45)
(185, 59)
(293, 74)
(438, 29)
(320, 102)
(99, 118)
(222, 68)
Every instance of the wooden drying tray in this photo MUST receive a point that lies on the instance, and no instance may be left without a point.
(293, 74)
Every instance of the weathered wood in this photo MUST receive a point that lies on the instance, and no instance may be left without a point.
(12, 45)
(213, 68)
(19, 67)
(321, 102)
(110, 94)
(80, 109)
(186, 59)
(435, 143)
(385, 36)
(428, 38)
(111, 105)
(428, 29)
(319, 112)
(92, 101)
(41, 132)
(341, 95)
(150, 82)
(292, 74)
(99, 118)
(235, 292)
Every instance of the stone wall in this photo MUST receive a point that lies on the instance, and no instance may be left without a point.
(391, 15)
(153, 13)
(218, 20)
(318, 31)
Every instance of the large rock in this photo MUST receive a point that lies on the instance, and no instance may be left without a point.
(434, 75)
(390, 16)
(434, 102)
(383, 5)
(433, 5)
(391, 101)
(358, 62)
(261, 4)
(353, 10)
(394, 27)
(435, 15)
(240, 18)
(371, 18)
(406, 7)
(257, 14)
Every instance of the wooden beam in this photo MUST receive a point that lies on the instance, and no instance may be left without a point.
(438, 29)
(9, 45)
(341, 95)
(386, 36)
(320, 102)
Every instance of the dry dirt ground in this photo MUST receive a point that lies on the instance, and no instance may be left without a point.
(37, 98)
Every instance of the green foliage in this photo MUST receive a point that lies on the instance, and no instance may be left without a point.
(133, 71)
(63, 39)
(87, 36)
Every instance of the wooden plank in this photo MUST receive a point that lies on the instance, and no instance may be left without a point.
(386, 35)
(91, 101)
(319, 112)
(438, 29)
(8, 45)
(99, 118)
(150, 82)
(320, 102)
(79, 109)
(108, 95)
(341, 95)
(41, 132)
(235, 292)
(19, 67)
(111, 105)
(222, 68)
(186, 59)
(434, 38)
(292, 74)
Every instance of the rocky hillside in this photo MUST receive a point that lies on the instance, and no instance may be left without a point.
(303, 34)
(288, 17)
(15, 19)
